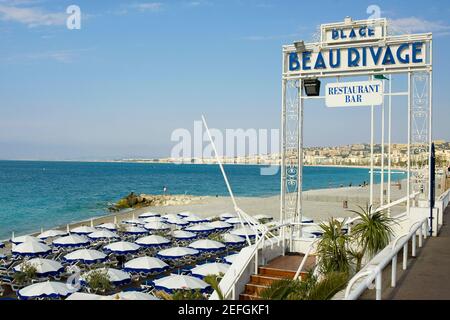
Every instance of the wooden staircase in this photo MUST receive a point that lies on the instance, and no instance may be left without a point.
(277, 269)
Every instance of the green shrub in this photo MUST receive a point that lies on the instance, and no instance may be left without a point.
(26, 274)
(98, 281)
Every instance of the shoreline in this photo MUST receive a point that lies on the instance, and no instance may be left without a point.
(320, 203)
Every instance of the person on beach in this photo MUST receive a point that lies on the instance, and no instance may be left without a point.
(164, 190)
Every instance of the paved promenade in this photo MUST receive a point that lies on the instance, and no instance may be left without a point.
(428, 277)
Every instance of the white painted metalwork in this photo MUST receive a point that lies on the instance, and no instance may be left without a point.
(419, 112)
(375, 268)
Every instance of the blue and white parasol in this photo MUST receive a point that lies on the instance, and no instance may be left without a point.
(244, 231)
(180, 282)
(185, 214)
(178, 222)
(132, 229)
(231, 258)
(200, 228)
(145, 265)
(235, 221)
(153, 219)
(44, 267)
(207, 245)
(122, 247)
(206, 269)
(177, 252)
(86, 256)
(196, 219)
(148, 215)
(232, 239)
(48, 289)
(153, 241)
(157, 226)
(220, 225)
(71, 241)
(183, 235)
(83, 230)
(103, 234)
(30, 249)
(116, 277)
(136, 222)
(22, 239)
(51, 234)
(227, 215)
(108, 226)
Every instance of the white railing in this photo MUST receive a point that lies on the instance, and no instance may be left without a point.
(384, 207)
(373, 270)
(441, 204)
(305, 258)
(445, 198)
(228, 284)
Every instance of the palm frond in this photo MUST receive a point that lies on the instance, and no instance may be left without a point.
(328, 286)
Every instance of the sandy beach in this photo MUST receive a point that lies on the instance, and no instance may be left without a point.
(319, 205)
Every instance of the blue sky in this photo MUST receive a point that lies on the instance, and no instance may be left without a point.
(137, 70)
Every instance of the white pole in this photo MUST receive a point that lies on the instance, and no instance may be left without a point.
(300, 160)
(408, 202)
(430, 133)
(389, 143)
(371, 151)
(236, 208)
(382, 153)
(282, 159)
(282, 147)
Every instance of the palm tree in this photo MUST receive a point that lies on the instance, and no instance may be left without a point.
(372, 233)
(214, 281)
(332, 248)
(309, 289)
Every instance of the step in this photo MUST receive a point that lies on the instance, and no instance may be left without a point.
(272, 272)
(244, 296)
(263, 280)
(254, 289)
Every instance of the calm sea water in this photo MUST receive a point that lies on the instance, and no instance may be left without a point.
(46, 194)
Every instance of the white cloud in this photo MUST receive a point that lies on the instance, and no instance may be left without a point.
(418, 25)
(62, 56)
(31, 16)
(148, 6)
(198, 3)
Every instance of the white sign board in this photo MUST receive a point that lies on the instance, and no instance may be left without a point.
(353, 33)
(354, 94)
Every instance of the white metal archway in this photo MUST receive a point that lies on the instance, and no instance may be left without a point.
(419, 97)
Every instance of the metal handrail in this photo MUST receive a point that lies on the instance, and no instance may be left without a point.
(376, 272)
(251, 256)
(302, 264)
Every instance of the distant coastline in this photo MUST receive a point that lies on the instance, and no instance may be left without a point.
(157, 161)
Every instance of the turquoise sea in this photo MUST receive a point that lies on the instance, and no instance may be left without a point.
(36, 194)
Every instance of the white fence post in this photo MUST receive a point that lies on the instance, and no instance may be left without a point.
(394, 271)
(378, 285)
(405, 256)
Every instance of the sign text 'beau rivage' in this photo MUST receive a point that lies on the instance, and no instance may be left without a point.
(358, 47)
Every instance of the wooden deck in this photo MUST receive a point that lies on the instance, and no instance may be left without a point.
(291, 262)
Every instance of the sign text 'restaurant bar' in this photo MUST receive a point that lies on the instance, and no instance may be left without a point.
(354, 94)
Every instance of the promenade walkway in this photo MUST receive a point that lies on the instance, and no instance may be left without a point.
(428, 277)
